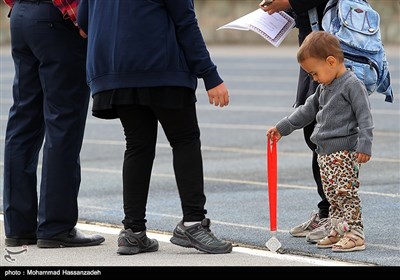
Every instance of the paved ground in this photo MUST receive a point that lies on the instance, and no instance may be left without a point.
(262, 83)
(168, 255)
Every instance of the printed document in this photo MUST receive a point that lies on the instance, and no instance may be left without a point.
(273, 28)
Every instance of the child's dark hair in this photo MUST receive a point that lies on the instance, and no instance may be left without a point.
(320, 45)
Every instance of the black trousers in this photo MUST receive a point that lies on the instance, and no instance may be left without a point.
(306, 87)
(140, 125)
(50, 105)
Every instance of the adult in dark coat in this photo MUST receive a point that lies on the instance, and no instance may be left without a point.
(318, 223)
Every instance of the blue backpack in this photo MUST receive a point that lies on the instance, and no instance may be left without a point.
(356, 24)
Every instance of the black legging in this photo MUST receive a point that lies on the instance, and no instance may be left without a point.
(323, 205)
(181, 128)
(306, 87)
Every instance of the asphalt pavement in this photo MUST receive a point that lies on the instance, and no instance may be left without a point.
(262, 82)
(105, 255)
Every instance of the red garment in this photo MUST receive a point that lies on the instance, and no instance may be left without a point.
(68, 8)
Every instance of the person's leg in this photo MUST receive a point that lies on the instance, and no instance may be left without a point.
(305, 87)
(323, 205)
(140, 129)
(62, 55)
(317, 225)
(183, 134)
(23, 138)
(341, 187)
(329, 175)
(347, 186)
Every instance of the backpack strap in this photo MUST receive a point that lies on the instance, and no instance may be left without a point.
(313, 15)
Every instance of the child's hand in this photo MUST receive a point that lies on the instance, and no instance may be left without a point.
(362, 158)
(273, 133)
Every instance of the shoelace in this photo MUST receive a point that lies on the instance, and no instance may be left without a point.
(313, 217)
(325, 223)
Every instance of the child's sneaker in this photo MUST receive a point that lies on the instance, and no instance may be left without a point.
(305, 228)
(200, 237)
(320, 232)
(130, 243)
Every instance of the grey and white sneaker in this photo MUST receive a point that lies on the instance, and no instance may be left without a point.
(130, 243)
(199, 236)
(305, 228)
(320, 232)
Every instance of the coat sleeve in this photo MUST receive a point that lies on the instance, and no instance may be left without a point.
(362, 109)
(191, 41)
(301, 117)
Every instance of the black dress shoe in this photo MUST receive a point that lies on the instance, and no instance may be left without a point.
(15, 241)
(74, 238)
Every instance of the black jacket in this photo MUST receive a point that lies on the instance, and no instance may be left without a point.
(300, 12)
(306, 86)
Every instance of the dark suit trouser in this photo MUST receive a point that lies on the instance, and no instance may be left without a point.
(50, 105)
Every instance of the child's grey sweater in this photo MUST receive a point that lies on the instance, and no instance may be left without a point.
(343, 115)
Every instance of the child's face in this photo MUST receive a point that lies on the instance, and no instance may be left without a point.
(323, 71)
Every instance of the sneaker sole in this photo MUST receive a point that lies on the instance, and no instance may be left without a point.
(124, 250)
(215, 251)
(181, 242)
(187, 244)
(300, 234)
(313, 241)
(43, 243)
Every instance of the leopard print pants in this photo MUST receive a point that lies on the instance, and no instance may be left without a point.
(339, 174)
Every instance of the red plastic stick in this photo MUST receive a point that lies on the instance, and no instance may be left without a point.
(272, 181)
